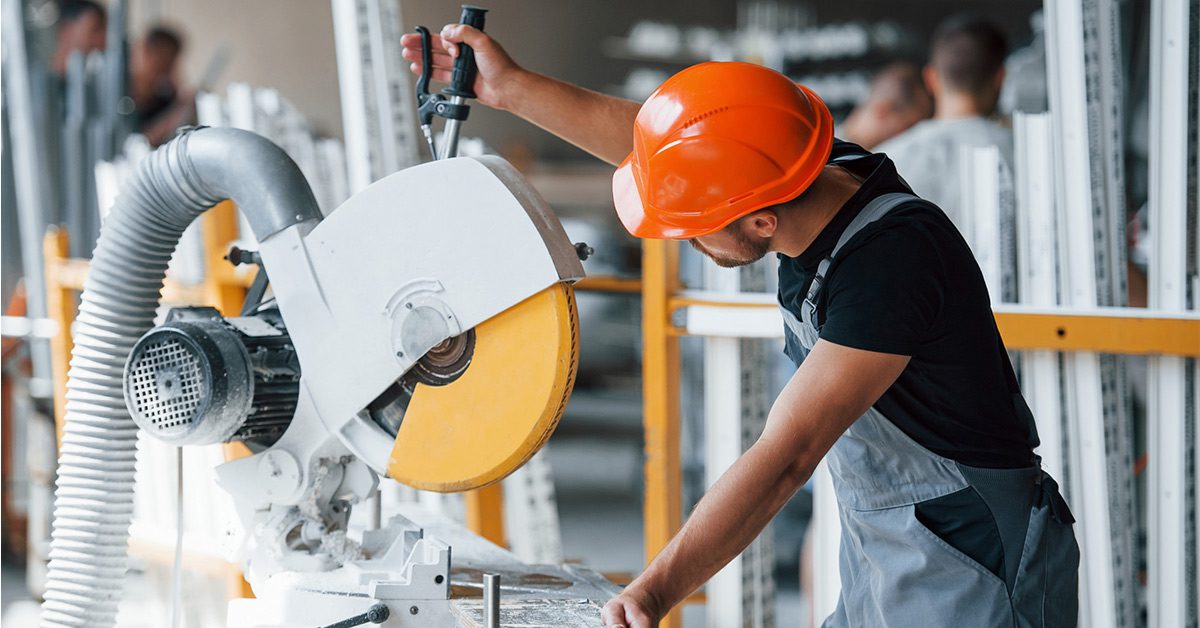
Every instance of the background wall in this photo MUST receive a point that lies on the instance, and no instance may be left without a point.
(288, 44)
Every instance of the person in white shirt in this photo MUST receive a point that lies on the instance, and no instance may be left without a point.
(965, 75)
(896, 101)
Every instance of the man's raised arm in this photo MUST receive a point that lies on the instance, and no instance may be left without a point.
(601, 125)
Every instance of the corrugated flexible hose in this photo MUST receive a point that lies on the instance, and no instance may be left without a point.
(93, 503)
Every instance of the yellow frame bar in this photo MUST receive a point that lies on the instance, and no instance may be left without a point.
(663, 506)
(1100, 333)
(60, 304)
(485, 512)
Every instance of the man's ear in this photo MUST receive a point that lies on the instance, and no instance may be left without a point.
(932, 82)
(763, 223)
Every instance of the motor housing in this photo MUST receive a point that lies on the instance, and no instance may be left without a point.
(200, 378)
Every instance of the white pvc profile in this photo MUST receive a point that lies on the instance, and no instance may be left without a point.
(826, 539)
(979, 171)
(1087, 486)
(1167, 597)
(378, 114)
(1036, 261)
(349, 46)
(733, 322)
(531, 524)
(723, 442)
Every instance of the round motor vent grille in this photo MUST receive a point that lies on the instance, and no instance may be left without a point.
(166, 384)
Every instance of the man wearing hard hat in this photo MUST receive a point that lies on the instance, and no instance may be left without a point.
(903, 382)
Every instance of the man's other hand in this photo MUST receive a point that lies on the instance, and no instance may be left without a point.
(496, 69)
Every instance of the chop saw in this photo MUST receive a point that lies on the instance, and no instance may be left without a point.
(425, 331)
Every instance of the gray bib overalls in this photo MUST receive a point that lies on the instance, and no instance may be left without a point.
(895, 572)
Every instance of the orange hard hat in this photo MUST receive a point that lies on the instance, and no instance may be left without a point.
(718, 141)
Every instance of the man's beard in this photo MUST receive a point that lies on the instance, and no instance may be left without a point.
(750, 250)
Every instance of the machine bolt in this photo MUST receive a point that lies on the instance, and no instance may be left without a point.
(238, 256)
(583, 250)
(413, 610)
(378, 613)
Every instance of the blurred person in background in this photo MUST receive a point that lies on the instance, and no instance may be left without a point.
(896, 101)
(160, 105)
(965, 75)
(82, 26)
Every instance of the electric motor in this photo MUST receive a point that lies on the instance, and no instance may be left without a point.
(200, 378)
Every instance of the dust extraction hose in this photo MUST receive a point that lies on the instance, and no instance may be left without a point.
(93, 503)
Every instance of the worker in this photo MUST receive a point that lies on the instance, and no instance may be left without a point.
(896, 100)
(160, 106)
(82, 26)
(902, 379)
(965, 75)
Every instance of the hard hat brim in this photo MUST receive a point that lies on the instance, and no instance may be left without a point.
(628, 201)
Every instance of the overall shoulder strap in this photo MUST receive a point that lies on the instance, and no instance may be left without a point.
(879, 207)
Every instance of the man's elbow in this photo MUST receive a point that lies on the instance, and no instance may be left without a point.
(796, 474)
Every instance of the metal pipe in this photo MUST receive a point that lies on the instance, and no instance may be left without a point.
(171, 187)
(30, 165)
(491, 600)
(450, 134)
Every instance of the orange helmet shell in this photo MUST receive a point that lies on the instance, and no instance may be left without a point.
(718, 141)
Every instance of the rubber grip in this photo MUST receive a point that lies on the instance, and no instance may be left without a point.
(462, 81)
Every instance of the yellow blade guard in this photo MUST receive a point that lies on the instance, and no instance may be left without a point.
(491, 420)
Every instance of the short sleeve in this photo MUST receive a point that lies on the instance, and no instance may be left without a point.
(885, 291)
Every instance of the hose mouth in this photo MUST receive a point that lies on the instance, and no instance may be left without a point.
(93, 505)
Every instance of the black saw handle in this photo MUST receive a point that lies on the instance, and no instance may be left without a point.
(462, 81)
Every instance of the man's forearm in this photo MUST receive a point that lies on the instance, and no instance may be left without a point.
(602, 125)
(731, 515)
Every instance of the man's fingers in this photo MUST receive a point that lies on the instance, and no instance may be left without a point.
(613, 615)
(413, 40)
(439, 75)
(621, 613)
(461, 33)
(440, 58)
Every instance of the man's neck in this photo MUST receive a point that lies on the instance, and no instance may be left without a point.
(950, 105)
(811, 213)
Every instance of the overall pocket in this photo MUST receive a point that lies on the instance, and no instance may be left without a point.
(904, 575)
(963, 521)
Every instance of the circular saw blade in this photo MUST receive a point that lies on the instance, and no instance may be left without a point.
(487, 423)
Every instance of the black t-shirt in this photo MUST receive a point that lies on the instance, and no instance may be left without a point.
(908, 284)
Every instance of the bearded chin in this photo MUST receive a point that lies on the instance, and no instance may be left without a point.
(728, 262)
(751, 251)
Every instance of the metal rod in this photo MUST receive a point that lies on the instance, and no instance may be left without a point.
(450, 135)
(491, 600)
(29, 168)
